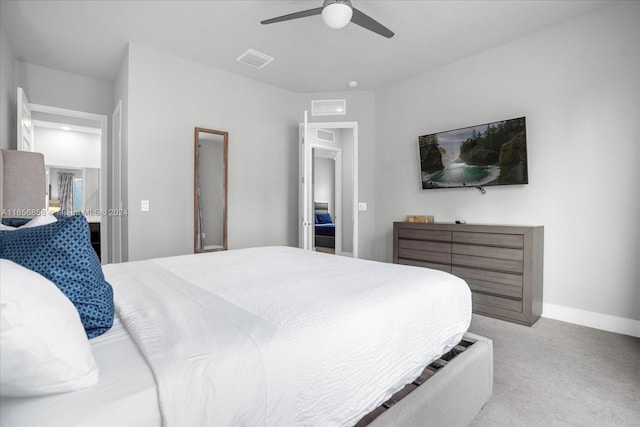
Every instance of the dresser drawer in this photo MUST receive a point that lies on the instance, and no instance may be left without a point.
(488, 276)
(432, 235)
(488, 251)
(497, 289)
(425, 245)
(418, 255)
(489, 239)
(498, 302)
(432, 265)
(498, 264)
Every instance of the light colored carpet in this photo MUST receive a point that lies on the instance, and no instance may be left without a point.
(559, 374)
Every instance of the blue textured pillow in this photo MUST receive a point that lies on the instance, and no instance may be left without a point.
(62, 252)
(325, 219)
(15, 222)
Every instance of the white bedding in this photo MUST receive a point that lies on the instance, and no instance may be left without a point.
(359, 330)
(323, 339)
(215, 364)
(125, 396)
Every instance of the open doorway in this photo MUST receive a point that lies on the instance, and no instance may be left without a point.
(329, 187)
(74, 145)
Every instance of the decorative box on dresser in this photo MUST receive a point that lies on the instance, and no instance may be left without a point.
(502, 264)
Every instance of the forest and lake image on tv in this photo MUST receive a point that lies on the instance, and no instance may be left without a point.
(489, 154)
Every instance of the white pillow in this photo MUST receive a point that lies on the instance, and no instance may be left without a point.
(36, 221)
(43, 346)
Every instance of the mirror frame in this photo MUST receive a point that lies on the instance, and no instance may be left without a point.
(225, 136)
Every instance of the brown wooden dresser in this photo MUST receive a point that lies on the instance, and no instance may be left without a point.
(502, 264)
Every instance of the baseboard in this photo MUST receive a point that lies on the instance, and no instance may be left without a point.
(605, 322)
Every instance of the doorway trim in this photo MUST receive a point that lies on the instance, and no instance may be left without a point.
(116, 184)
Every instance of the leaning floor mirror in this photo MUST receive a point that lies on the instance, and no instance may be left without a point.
(210, 190)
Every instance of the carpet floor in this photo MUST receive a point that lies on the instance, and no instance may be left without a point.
(559, 374)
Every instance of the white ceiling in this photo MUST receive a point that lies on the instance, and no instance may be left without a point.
(90, 37)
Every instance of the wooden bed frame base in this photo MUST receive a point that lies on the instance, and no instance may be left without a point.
(451, 391)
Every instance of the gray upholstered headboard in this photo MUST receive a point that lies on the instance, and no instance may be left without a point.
(22, 184)
(321, 207)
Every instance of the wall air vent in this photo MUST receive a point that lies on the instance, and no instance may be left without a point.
(329, 107)
(325, 135)
(255, 59)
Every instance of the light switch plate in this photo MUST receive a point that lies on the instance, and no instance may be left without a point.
(144, 205)
(362, 206)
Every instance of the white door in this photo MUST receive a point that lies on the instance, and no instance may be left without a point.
(25, 128)
(348, 181)
(338, 197)
(306, 191)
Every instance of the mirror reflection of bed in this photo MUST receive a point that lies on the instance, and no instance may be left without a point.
(327, 195)
(325, 228)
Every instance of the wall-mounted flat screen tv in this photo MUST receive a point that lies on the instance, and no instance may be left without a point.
(477, 156)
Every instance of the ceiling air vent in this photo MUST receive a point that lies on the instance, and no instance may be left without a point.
(255, 59)
(325, 135)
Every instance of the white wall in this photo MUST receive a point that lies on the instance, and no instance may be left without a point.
(167, 98)
(91, 190)
(55, 88)
(121, 94)
(67, 148)
(8, 138)
(578, 86)
(348, 189)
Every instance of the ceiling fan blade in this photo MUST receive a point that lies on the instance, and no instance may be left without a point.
(303, 14)
(371, 24)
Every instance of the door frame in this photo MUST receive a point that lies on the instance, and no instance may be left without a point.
(306, 181)
(116, 184)
(25, 126)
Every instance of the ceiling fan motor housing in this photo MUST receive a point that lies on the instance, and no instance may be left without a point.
(328, 2)
(337, 13)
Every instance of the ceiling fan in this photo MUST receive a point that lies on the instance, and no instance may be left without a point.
(337, 14)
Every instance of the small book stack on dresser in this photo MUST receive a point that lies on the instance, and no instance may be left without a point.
(502, 264)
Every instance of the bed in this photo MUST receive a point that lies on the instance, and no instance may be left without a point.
(324, 227)
(255, 336)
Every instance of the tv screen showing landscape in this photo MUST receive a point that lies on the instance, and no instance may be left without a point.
(490, 154)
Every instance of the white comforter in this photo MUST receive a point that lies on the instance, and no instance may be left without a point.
(215, 364)
(281, 336)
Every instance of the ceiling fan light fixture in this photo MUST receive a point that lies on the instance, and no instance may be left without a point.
(337, 15)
